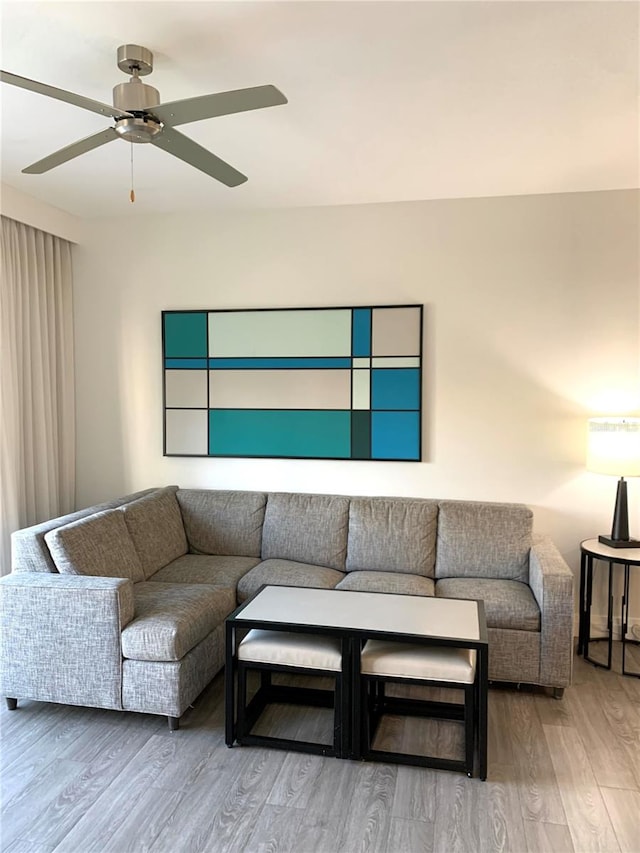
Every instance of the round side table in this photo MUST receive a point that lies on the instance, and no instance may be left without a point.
(592, 550)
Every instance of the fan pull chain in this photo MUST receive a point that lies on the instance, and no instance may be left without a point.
(132, 194)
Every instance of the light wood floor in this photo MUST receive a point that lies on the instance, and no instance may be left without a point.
(563, 776)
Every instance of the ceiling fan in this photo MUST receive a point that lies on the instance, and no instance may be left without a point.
(140, 117)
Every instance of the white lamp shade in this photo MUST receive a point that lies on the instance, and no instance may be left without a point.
(614, 446)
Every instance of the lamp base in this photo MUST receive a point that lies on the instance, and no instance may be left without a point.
(619, 543)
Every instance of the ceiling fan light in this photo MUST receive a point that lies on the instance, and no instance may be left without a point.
(138, 129)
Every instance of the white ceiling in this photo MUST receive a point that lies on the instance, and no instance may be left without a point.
(388, 101)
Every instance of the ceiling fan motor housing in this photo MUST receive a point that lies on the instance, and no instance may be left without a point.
(135, 96)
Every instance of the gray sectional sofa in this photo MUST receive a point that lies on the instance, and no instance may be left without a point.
(122, 605)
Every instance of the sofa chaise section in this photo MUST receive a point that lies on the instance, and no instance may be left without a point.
(156, 644)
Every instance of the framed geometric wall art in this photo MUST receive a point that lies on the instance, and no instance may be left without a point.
(297, 383)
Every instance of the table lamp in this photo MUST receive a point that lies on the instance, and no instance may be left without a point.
(614, 448)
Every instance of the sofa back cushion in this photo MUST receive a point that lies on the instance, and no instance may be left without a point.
(29, 551)
(483, 540)
(225, 523)
(97, 545)
(155, 525)
(392, 535)
(307, 529)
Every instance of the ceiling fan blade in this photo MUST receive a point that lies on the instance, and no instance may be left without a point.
(71, 151)
(62, 95)
(219, 104)
(195, 155)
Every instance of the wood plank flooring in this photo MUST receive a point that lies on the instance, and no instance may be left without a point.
(564, 776)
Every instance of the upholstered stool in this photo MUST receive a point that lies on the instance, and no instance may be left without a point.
(384, 661)
(283, 651)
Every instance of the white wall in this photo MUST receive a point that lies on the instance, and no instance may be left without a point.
(532, 316)
(31, 211)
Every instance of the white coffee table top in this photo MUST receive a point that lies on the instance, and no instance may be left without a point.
(415, 615)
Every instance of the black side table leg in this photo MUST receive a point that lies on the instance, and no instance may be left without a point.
(587, 613)
(610, 617)
(582, 608)
(609, 634)
(625, 624)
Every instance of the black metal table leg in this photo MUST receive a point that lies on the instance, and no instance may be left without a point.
(356, 700)
(483, 675)
(588, 638)
(582, 610)
(229, 685)
(610, 617)
(625, 623)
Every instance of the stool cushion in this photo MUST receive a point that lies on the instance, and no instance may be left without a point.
(285, 648)
(427, 663)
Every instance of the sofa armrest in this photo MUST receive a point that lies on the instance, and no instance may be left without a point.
(61, 637)
(552, 583)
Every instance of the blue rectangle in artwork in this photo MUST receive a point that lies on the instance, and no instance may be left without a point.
(185, 363)
(395, 388)
(276, 363)
(308, 434)
(361, 332)
(395, 435)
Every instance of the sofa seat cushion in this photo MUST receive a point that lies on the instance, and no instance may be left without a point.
(172, 618)
(306, 528)
(286, 573)
(392, 535)
(98, 545)
(206, 568)
(226, 523)
(155, 525)
(507, 604)
(388, 582)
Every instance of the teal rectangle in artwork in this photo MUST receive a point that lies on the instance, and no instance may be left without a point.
(295, 434)
(185, 334)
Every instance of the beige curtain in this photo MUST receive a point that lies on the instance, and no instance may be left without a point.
(37, 407)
